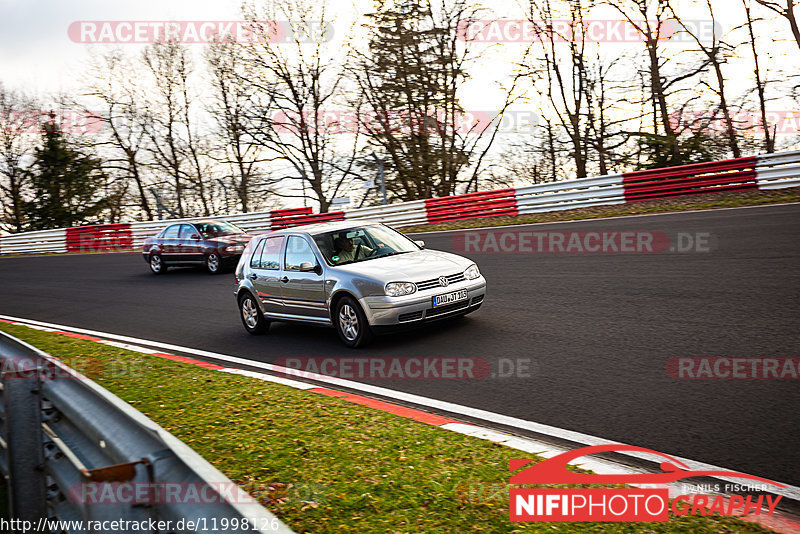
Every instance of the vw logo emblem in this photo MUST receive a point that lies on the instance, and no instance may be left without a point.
(443, 281)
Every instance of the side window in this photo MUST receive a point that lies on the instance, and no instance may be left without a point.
(267, 254)
(187, 230)
(255, 259)
(298, 251)
(271, 257)
(172, 232)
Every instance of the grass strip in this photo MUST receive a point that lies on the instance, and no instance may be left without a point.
(706, 201)
(324, 465)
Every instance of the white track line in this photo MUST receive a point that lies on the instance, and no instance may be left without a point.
(525, 444)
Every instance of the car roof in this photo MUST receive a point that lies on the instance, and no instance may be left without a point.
(319, 228)
(196, 221)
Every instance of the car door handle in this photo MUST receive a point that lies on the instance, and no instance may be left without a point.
(285, 279)
(253, 276)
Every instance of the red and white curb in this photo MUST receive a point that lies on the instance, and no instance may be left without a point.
(780, 521)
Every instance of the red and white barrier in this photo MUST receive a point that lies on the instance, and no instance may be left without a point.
(769, 171)
(711, 177)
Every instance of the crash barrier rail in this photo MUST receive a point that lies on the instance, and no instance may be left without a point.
(73, 452)
(779, 170)
(472, 206)
(298, 216)
(571, 194)
(39, 242)
(714, 176)
(769, 171)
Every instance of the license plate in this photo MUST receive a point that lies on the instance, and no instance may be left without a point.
(449, 298)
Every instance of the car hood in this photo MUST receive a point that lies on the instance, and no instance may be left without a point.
(410, 267)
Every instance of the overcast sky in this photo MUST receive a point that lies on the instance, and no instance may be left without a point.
(37, 54)
(39, 57)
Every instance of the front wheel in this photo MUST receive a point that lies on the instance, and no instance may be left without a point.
(252, 318)
(214, 263)
(351, 323)
(157, 265)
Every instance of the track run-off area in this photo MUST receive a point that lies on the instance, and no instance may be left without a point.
(584, 338)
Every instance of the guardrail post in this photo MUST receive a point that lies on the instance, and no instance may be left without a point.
(23, 420)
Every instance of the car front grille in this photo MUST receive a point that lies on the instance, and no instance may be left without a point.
(439, 310)
(434, 282)
(476, 300)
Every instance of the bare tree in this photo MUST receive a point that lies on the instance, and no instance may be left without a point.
(785, 10)
(122, 99)
(240, 153)
(19, 125)
(716, 52)
(649, 19)
(567, 78)
(294, 86)
(410, 76)
(537, 158)
(760, 83)
(175, 144)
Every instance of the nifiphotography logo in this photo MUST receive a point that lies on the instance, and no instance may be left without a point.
(622, 504)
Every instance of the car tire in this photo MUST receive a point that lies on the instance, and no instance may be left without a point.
(351, 323)
(157, 265)
(214, 263)
(252, 318)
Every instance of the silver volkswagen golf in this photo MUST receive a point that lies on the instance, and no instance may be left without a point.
(361, 279)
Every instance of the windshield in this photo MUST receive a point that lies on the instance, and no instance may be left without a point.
(216, 229)
(362, 243)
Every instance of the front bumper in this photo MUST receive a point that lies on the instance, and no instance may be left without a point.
(417, 307)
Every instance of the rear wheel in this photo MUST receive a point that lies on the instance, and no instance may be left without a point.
(157, 265)
(252, 318)
(351, 323)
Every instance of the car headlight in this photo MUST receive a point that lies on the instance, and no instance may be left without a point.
(398, 289)
(233, 249)
(472, 272)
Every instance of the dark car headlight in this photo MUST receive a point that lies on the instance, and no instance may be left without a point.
(232, 249)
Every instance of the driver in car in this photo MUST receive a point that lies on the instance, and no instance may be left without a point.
(345, 250)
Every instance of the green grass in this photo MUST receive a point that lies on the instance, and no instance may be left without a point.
(707, 201)
(324, 465)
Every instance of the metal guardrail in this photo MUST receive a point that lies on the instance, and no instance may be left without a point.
(40, 241)
(72, 451)
(769, 171)
(571, 194)
(779, 170)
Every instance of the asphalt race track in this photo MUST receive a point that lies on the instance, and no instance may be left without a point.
(599, 330)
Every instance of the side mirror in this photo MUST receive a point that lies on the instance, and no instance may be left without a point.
(195, 237)
(420, 244)
(307, 266)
